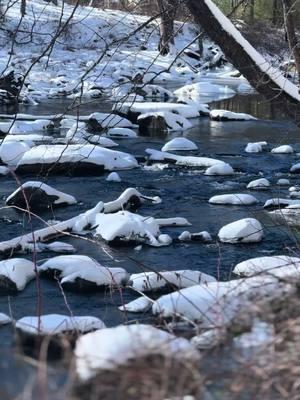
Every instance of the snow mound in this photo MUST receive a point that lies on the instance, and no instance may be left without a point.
(247, 230)
(285, 149)
(279, 266)
(53, 324)
(261, 183)
(12, 152)
(256, 147)
(220, 168)
(40, 195)
(179, 144)
(141, 304)
(87, 154)
(15, 274)
(107, 349)
(163, 120)
(234, 199)
(150, 281)
(113, 177)
(194, 90)
(23, 127)
(224, 115)
(82, 273)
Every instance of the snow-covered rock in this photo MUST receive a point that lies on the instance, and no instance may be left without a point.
(261, 183)
(234, 199)
(16, 127)
(15, 273)
(107, 349)
(220, 168)
(247, 230)
(4, 319)
(195, 90)
(179, 144)
(189, 161)
(141, 304)
(280, 203)
(289, 215)
(280, 266)
(162, 121)
(295, 169)
(151, 281)
(184, 110)
(121, 133)
(53, 324)
(283, 182)
(113, 177)
(256, 147)
(12, 152)
(216, 303)
(38, 195)
(224, 115)
(82, 273)
(285, 149)
(105, 120)
(84, 159)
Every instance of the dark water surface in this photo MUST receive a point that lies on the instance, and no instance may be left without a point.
(184, 192)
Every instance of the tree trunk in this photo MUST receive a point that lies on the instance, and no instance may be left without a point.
(251, 11)
(23, 8)
(245, 58)
(289, 10)
(276, 13)
(167, 10)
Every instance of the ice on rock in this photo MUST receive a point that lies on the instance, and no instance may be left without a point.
(151, 281)
(234, 199)
(279, 266)
(179, 144)
(247, 230)
(12, 152)
(141, 304)
(108, 349)
(257, 147)
(261, 183)
(220, 168)
(285, 149)
(54, 324)
(39, 195)
(15, 273)
(224, 115)
(113, 177)
(82, 273)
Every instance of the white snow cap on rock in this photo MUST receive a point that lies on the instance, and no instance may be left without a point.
(141, 304)
(111, 120)
(4, 319)
(113, 177)
(53, 324)
(121, 133)
(224, 115)
(148, 281)
(247, 230)
(107, 349)
(179, 143)
(18, 270)
(280, 266)
(22, 127)
(261, 183)
(285, 149)
(256, 147)
(12, 152)
(194, 90)
(234, 199)
(221, 168)
(62, 198)
(174, 122)
(110, 159)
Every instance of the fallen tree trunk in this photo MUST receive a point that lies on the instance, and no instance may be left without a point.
(266, 79)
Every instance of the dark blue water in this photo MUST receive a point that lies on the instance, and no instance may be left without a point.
(184, 192)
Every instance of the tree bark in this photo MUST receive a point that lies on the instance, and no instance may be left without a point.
(167, 10)
(289, 10)
(244, 61)
(23, 8)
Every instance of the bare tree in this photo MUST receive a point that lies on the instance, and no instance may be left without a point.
(289, 10)
(167, 10)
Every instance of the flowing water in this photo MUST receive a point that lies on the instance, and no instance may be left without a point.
(184, 192)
